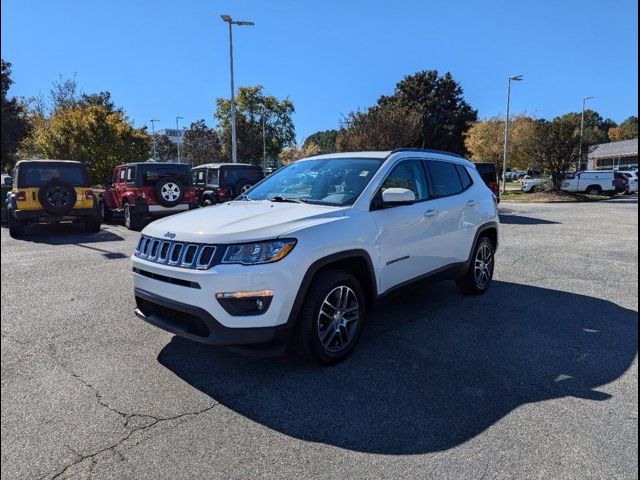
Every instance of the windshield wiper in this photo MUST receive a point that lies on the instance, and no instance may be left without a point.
(287, 199)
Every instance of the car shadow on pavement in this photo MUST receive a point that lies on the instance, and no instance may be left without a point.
(522, 220)
(65, 234)
(433, 369)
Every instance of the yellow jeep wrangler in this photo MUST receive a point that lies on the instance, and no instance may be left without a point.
(51, 191)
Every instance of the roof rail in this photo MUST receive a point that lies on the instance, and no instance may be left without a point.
(425, 150)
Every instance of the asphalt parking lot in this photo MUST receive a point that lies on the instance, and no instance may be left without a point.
(536, 379)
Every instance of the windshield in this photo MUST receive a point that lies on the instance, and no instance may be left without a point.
(38, 175)
(337, 182)
(152, 173)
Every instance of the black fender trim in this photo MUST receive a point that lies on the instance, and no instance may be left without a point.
(320, 264)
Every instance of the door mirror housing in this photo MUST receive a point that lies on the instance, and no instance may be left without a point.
(398, 196)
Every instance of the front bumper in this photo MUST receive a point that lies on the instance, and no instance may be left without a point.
(74, 214)
(197, 324)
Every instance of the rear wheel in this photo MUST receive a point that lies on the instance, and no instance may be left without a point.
(594, 190)
(207, 202)
(16, 227)
(478, 278)
(131, 220)
(331, 319)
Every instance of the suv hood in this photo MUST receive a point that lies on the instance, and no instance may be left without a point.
(241, 221)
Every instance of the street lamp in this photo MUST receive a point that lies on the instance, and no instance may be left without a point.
(231, 22)
(179, 137)
(153, 133)
(515, 78)
(584, 102)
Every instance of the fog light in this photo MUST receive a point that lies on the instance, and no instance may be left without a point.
(244, 303)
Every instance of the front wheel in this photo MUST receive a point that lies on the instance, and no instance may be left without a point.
(594, 190)
(331, 319)
(478, 278)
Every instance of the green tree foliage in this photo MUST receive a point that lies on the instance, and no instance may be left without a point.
(89, 129)
(324, 140)
(201, 144)
(15, 124)
(166, 150)
(445, 114)
(627, 130)
(382, 127)
(252, 106)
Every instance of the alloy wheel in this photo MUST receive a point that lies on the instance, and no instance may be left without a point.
(338, 319)
(170, 191)
(483, 266)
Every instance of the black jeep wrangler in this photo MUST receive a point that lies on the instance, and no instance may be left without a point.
(221, 182)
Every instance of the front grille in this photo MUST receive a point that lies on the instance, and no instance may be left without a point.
(177, 254)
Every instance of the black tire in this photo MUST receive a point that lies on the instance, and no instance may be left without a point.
(93, 224)
(169, 192)
(16, 227)
(478, 282)
(594, 190)
(131, 220)
(207, 202)
(241, 187)
(57, 197)
(306, 340)
(105, 212)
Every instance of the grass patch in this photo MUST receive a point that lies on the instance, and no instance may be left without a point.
(518, 196)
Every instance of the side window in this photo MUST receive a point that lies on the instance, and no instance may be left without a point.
(444, 178)
(408, 174)
(465, 178)
(123, 175)
(131, 174)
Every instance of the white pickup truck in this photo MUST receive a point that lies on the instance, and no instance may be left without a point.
(591, 183)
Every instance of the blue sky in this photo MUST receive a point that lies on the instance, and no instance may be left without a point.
(163, 58)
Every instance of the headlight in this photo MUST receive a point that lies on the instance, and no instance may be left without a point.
(259, 252)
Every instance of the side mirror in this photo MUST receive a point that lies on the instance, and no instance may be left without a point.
(398, 196)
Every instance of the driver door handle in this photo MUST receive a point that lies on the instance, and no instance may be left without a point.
(430, 213)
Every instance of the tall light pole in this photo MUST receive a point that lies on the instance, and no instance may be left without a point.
(515, 78)
(153, 134)
(584, 103)
(264, 140)
(179, 137)
(231, 22)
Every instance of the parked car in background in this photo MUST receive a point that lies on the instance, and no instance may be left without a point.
(532, 185)
(221, 182)
(632, 178)
(304, 255)
(142, 191)
(51, 191)
(6, 183)
(489, 176)
(594, 182)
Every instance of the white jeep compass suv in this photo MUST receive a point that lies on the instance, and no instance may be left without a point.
(303, 255)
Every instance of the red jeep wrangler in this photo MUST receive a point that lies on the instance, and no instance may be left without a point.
(140, 191)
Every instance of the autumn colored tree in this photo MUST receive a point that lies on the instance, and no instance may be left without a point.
(292, 153)
(201, 144)
(627, 130)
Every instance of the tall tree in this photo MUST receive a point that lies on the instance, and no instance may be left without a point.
(166, 149)
(485, 141)
(383, 127)
(252, 107)
(201, 144)
(325, 140)
(445, 114)
(292, 153)
(89, 129)
(15, 125)
(627, 130)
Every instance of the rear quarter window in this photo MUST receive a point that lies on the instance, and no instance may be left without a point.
(151, 174)
(444, 178)
(38, 175)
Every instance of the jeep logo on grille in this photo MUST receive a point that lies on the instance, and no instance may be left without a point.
(170, 235)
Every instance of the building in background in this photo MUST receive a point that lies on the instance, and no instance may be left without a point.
(614, 156)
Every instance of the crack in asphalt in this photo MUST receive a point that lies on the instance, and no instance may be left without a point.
(124, 417)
